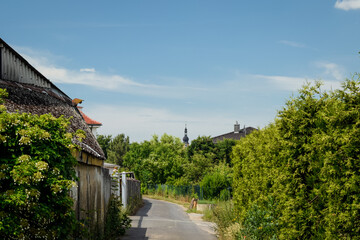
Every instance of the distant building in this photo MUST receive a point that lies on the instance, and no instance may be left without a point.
(237, 134)
(185, 138)
(93, 125)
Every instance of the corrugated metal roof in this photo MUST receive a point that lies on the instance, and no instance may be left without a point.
(14, 67)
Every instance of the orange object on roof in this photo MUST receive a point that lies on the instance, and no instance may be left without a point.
(76, 101)
(88, 120)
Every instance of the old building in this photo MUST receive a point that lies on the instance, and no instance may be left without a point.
(237, 134)
(30, 91)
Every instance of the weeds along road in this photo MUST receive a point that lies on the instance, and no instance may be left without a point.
(163, 220)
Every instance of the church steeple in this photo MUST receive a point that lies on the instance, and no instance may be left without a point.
(185, 138)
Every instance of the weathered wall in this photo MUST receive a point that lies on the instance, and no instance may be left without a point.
(134, 197)
(91, 197)
(134, 189)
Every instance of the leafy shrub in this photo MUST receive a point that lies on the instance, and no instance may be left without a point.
(308, 162)
(212, 184)
(225, 195)
(36, 174)
(217, 182)
(116, 219)
(260, 223)
(225, 216)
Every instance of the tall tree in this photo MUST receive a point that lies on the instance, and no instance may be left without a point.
(104, 142)
(118, 147)
(224, 150)
(157, 161)
(202, 144)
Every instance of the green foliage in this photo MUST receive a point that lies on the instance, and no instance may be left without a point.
(36, 174)
(215, 184)
(116, 219)
(118, 147)
(225, 195)
(257, 169)
(224, 150)
(225, 216)
(261, 223)
(201, 144)
(104, 142)
(199, 164)
(307, 162)
(181, 193)
(167, 161)
(156, 161)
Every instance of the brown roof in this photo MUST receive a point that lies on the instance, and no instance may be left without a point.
(37, 100)
(233, 135)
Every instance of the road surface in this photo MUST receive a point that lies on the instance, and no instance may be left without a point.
(163, 220)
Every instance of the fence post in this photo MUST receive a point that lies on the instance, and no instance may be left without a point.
(124, 191)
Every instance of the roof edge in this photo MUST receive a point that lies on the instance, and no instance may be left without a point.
(2, 42)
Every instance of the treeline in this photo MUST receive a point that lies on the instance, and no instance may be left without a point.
(298, 178)
(165, 160)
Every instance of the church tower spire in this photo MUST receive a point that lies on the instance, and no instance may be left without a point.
(185, 138)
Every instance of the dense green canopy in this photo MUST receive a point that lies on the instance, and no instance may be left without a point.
(303, 171)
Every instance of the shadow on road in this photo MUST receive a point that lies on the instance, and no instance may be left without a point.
(137, 232)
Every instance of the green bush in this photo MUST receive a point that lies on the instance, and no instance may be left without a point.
(36, 174)
(225, 195)
(116, 219)
(308, 163)
(225, 216)
(215, 184)
(260, 223)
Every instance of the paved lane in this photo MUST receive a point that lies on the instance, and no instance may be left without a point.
(164, 220)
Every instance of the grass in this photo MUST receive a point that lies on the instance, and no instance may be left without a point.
(181, 201)
(185, 202)
(207, 202)
(193, 211)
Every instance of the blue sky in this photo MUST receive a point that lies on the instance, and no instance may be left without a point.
(149, 67)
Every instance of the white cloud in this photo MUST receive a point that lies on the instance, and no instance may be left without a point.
(90, 77)
(84, 77)
(92, 70)
(295, 83)
(347, 4)
(284, 82)
(332, 70)
(293, 44)
(331, 75)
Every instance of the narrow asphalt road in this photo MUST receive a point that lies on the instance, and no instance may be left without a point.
(163, 220)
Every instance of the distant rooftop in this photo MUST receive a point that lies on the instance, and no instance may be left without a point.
(237, 134)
